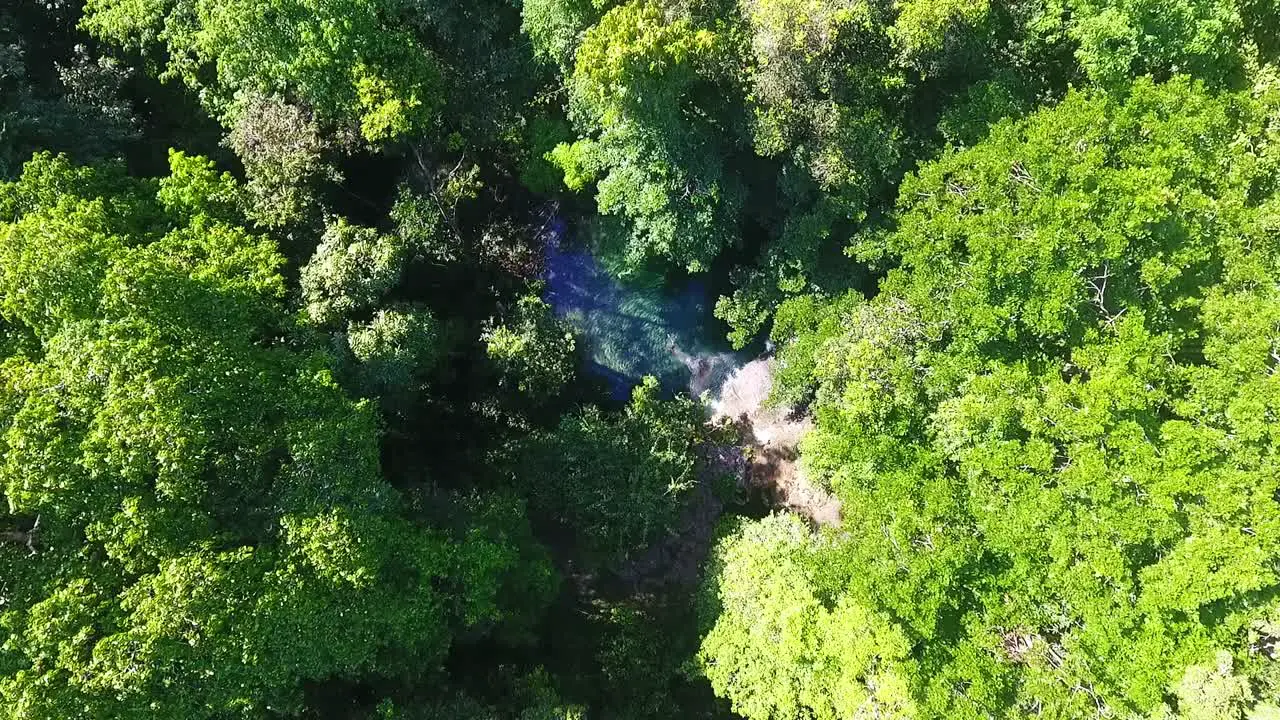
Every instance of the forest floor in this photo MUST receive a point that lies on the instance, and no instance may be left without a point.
(773, 435)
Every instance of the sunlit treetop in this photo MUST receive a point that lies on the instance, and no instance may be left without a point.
(1055, 420)
(195, 519)
(348, 60)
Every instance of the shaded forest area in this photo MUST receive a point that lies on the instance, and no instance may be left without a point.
(298, 421)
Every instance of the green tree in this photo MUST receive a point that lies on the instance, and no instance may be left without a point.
(776, 651)
(1215, 692)
(1052, 420)
(533, 352)
(285, 156)
(1119, 39)
(347, 60)
(80, 110)
(820, 81)
(644, 97)
(617, 482)
(556, 27)
(196, 520)
(922, 26)
(846, 93)
(352, 270)
(396, 349)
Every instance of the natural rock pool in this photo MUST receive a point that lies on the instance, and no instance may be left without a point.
(633, 329)
(637, 328)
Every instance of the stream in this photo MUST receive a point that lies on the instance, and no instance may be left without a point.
(638, 328)
(635, 329)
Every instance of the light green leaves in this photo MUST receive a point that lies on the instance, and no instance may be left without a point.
(214, 527)
(395, 348)
(777, 651)
(641, 98)
(1122, 39)
(352, 269)
(1053, 420)
(346, 59)
(533, 351)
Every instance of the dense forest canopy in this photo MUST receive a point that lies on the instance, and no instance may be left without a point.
(306, 409)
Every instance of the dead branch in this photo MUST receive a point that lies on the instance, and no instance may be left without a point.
(26, 538)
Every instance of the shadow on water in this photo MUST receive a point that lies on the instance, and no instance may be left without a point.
(648, 325)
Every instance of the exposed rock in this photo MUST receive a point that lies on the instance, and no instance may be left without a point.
(773, 435)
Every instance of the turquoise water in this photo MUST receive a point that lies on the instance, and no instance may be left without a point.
(636, 328)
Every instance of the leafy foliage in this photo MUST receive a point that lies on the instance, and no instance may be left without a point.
(777, 651)
(618, 482)
(352, 269)
(82, 114)
(213, 529)
(555, 27)
(395, 348)
(1117, 40)
(641, 94)
(285, 157)
(922, 26)
(270, 422)
(1062, 498)
(345, 59)
(533, 352)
